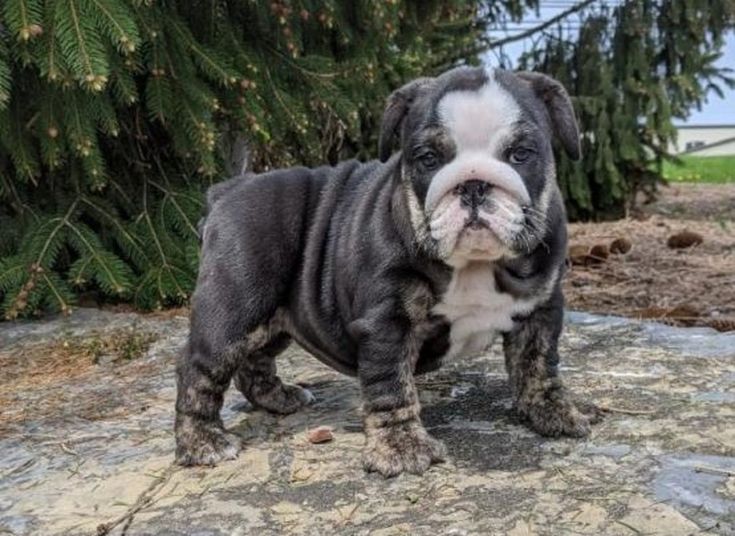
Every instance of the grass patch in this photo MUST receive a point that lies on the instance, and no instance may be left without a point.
(702, 169)
(118, 346)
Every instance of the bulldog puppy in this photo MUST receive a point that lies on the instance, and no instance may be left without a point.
(385, 269)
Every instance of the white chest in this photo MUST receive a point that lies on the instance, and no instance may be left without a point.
(476, 310)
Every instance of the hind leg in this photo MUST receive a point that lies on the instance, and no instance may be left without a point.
(202, 379)
(257, 380)
(217, 338)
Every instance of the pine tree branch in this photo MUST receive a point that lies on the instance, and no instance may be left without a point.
(22, 17)
(62, 222)
(5, 79)
(170, 196)
(278, 96)
(58, 294)
(131, 240)
(52, 71)
(80, 270)
(94, 252)
(164, 259)
(199, 51)
(7, 274)
(123, 36)
(485, 47)
(541, 27)
(24, 14)
(152, 229)
(80, 38)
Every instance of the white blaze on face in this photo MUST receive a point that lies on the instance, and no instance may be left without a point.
(479, 120)
(480, 123)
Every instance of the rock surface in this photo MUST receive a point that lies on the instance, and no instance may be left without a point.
(661, 462)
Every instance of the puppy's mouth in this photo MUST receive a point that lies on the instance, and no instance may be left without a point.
(473, 196)
(476, 220)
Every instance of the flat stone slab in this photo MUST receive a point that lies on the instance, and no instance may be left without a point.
(661, 462)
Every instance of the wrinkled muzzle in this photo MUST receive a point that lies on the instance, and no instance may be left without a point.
(476, 208)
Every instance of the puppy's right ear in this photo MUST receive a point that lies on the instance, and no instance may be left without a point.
(395, 112)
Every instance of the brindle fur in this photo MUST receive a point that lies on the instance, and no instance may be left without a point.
(339, 260)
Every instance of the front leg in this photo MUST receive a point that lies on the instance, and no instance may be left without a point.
(532, 361)
(396, 439)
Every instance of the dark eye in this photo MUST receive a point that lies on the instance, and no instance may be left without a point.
(429, 160)
(519, 155)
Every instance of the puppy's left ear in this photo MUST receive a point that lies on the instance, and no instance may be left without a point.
(560, 109)
(395, 112)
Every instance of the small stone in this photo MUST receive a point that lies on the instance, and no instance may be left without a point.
(321, 434)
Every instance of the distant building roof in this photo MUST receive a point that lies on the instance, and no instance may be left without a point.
(720, 125)
(709, 145)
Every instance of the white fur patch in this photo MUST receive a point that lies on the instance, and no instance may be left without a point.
(479, 119)
(414, 210)
(479, 122)
(549, 188)
(476, 310)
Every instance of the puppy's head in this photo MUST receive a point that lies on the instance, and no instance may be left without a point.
(477, 163)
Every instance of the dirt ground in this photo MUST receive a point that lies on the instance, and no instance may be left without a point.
(693, 286)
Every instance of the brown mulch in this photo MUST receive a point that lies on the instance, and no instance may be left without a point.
(35, 378)
(693, 286)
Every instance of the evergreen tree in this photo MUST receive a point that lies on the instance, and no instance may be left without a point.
(632, 70)
(116, 114)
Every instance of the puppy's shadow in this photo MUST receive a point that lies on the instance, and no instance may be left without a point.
(480, 428)
(471, 413)
(336, 403)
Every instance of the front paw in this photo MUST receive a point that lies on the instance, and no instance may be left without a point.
(553, 413)
(396, 448)
(203, 443)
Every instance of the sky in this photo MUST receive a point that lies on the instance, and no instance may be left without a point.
(714, 111)
(719, 110)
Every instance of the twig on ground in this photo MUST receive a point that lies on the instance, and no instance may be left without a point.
(144, 499)
(347, 518)
(714, 470)
(631, 527)
(21, 467)
(610, 409)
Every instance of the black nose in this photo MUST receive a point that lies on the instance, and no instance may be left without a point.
(473, 192)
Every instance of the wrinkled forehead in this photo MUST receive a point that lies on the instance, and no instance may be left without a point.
(478, 108)
(479, 118)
